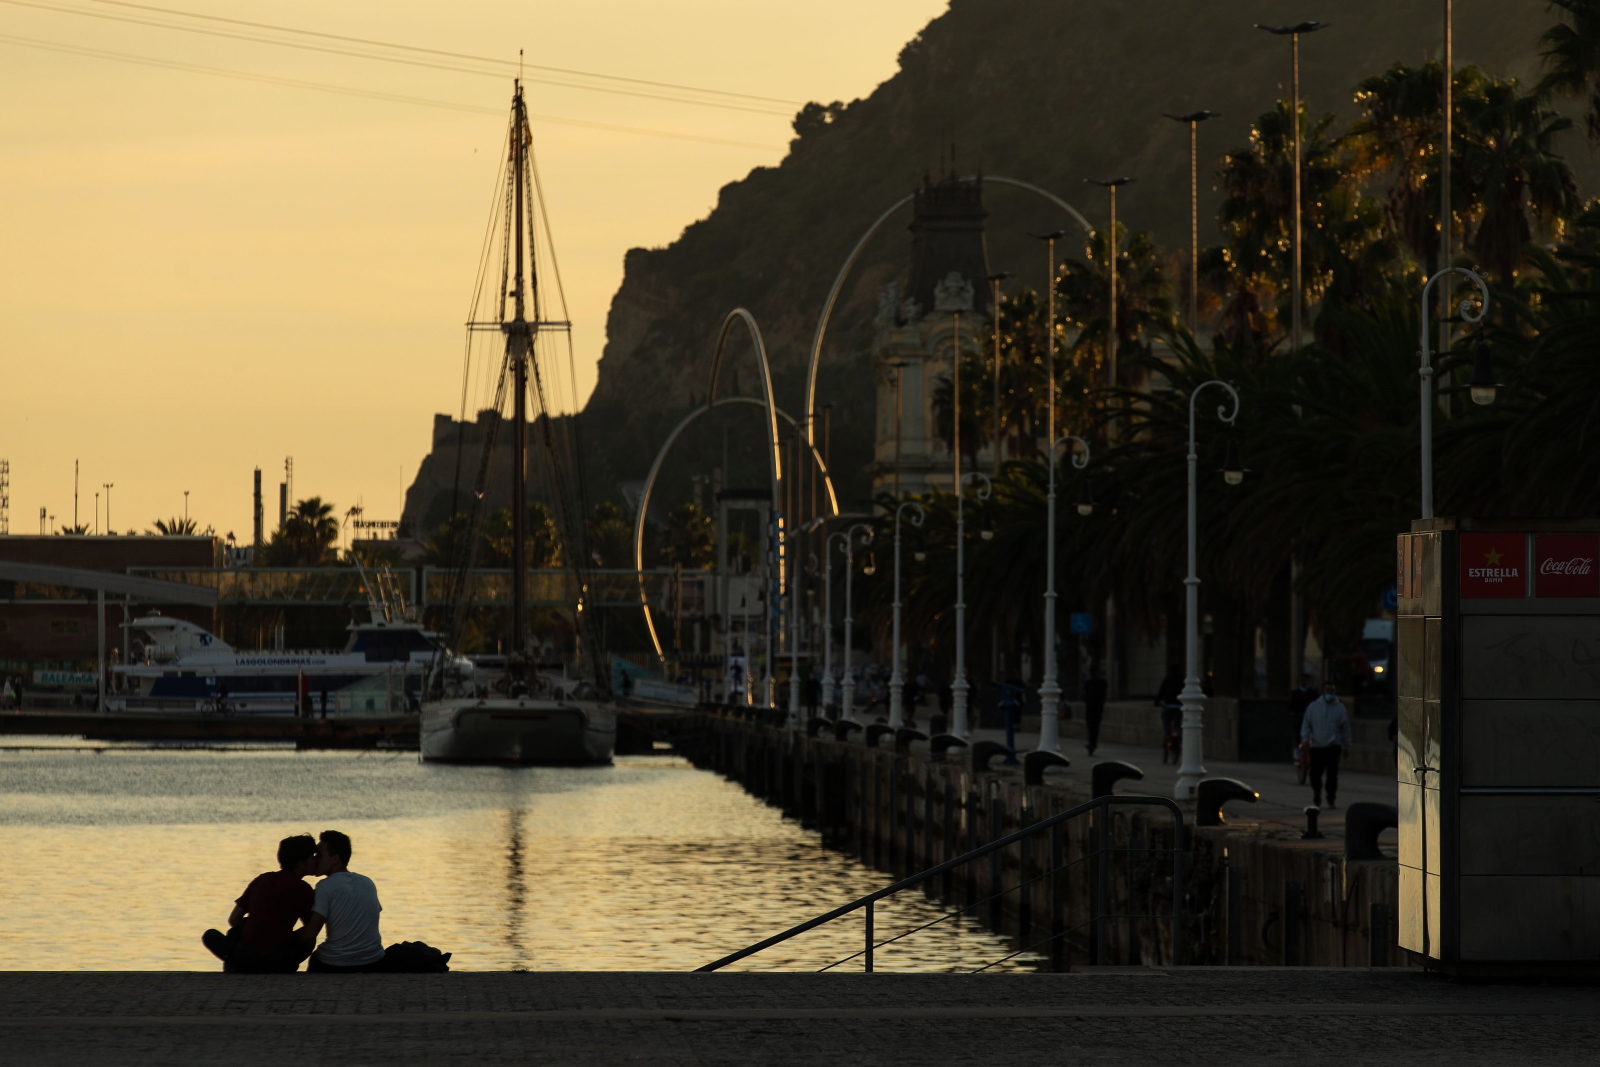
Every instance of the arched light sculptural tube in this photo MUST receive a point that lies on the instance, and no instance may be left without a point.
(897, 678)
(855, 253)
(1192, 700)
(1426, 373)
(1050, 689)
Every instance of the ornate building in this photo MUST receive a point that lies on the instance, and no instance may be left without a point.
(917, 331)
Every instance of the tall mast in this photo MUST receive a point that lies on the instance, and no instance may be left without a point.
(517, 345)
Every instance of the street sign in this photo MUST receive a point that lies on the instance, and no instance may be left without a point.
(1082, 622)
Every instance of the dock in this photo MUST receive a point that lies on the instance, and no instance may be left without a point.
(397, 731)
(1171, 1016)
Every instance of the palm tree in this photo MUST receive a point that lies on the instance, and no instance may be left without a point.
(1145, 306)
(177, 527)
(1572, 58)
(307, 538)
(1512, 172)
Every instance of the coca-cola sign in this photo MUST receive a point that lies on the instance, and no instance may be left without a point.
(1564, 565)
(1493, 566)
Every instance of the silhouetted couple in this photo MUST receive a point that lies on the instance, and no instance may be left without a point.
(262, 937)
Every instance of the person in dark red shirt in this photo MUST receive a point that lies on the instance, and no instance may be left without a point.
(261, 937)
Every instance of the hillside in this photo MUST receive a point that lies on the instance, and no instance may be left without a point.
(1048, 91)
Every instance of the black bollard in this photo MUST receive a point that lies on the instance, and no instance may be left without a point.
(875, 731)
(905, 735)
(984, 751)
(1312, 812)
(1215, 792)
(1105, 776)
(842, 728)
(1034, 764)
(816, 725)
(941, 742)
(1363, 822)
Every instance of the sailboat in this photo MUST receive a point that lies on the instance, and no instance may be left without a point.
(529, 714)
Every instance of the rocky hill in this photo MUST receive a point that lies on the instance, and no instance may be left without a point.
(1047, 91)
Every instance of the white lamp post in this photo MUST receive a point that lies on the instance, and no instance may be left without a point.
(849, 687)
(1192, 700)
(897, 680)
(1483, 387)
(958, 686)
(1049, 690)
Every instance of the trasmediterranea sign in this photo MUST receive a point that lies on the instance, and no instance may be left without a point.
(85, 679)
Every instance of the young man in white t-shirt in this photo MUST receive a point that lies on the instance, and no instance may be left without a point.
(347, 906)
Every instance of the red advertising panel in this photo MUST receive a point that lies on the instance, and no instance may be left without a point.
(1493, 565)
(1564, 565)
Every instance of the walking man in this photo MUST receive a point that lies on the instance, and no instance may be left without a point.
(1094, 706)
(1325, 731)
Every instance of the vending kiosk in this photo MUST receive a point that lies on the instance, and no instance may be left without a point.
(1498, 753)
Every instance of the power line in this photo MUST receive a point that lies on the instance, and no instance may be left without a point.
(369, 94)
(504, 64)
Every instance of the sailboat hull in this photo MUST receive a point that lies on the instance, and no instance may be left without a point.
(504, 730)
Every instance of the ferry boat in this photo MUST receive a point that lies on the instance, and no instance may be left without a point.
(177, 666)
(181, 667)
(523, 714)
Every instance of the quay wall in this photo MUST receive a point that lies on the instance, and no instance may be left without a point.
(1252, 895)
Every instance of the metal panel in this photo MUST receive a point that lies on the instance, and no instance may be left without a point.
(1530, 657)
(1530, 835)
(1407, 800)
(1432, 657)
(1529, 918)
(1411, 908)
(1530, 743)
(1432, 570)
(1408, 739)
(1409, 644)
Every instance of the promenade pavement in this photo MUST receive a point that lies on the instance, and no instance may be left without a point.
(1280, 811)
(1239, 1017)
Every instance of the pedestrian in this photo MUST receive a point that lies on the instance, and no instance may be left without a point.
(1094, 706)
(910, 692)
(261, 937)
(1325, 732)
(1302, 696)
(1171, 712)
(813, 692)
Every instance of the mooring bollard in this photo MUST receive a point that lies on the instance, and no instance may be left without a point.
(984, 751)
(905, 735)
(1034, 764)
(1363, 822)
(1104, 777)
(1312, 812)
(1215, 792)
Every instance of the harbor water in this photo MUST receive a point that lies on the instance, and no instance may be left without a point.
(117, 857)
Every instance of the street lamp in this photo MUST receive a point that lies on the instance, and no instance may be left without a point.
(1192, 700)
(1483, 387)
(849, 687)
(958, 686)
(1049, 691)
(897, 679)
(1110, 184)
(1293, 33)
(1194, 119)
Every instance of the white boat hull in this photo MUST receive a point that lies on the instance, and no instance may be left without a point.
(508, 730)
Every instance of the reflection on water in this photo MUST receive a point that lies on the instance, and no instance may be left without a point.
(118, 858)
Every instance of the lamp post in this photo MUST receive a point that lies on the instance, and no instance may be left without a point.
(1192, 700)
(897, 678)
(1111, 185)
(1483, 387)
(849, 686)
(994, 312)
(958, 686)
(1194, 119)
(107, 486)
(1293, 33)
(1049, 690)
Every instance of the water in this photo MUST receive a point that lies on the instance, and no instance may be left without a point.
(118, 857)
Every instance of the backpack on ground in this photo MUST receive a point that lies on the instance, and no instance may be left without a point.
(415, 957)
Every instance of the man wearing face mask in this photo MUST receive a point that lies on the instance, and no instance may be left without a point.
(1325, 731)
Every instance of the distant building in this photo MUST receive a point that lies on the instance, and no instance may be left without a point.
(917, 333)
(449, 472)
(47, 627)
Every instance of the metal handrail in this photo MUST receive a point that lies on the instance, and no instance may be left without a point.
(982, 850)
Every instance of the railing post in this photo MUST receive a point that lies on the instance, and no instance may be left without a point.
(1100, 869)
(1179, 863)
(1058, 925)
(869, 937)
(1235, 915)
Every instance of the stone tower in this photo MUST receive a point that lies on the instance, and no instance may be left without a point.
(916, 333)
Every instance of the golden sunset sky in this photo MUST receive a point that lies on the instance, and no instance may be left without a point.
(203, 274)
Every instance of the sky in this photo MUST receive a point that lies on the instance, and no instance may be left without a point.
(203, 274)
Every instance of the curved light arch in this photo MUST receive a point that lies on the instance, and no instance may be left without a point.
(774, 413)
(855, 253)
